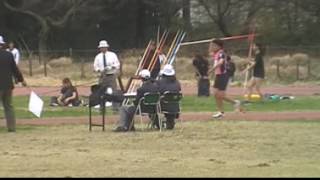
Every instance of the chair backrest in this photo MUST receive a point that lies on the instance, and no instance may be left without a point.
(171, 97)
(151, 98)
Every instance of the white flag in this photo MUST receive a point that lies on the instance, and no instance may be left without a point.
(35, 104)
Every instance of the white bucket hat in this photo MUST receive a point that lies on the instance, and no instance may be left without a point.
(1, 40)
(103, 44)
(168, 70)
(145, 73)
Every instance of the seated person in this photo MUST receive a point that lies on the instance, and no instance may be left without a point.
(168, 82)
(127, 112)
(68, 95)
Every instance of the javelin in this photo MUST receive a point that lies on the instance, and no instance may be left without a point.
(224, 39)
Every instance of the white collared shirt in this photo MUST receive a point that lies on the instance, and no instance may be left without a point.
(16, 54)
(111, 61)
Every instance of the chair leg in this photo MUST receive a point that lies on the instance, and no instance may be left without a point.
(133, 118)
(141, 124)
(90, 119)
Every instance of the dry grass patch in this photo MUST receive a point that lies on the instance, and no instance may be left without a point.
(201, 149)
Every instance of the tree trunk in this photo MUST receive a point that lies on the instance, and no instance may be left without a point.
(43, 37)
(187, 14)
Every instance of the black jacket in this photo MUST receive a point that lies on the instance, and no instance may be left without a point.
(8, 71)
(147, 86)
(172, 85)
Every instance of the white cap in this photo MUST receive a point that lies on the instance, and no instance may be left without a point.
(103, 44)
(145, 73)
(1, 40)
(168, 70)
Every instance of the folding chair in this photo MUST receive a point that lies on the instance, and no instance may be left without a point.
(169, 99)
(148, 104)
(97, 98)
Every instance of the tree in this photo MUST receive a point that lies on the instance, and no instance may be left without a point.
(232, 16)
(47, 14)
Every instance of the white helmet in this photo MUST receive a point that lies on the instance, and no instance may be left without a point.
(145, 73)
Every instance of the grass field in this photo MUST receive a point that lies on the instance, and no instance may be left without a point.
(189, 104)
(199, 149)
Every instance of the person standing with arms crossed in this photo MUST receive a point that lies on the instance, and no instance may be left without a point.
(258, 71)
(8, 71)
(107, 63)
(221, 78)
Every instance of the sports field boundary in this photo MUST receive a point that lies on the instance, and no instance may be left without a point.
(186, 117)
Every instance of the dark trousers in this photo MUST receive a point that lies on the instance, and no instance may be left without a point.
(110, 80)
(203, 87)
(126, 116)
(6, 99)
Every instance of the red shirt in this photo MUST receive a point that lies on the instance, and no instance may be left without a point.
(222, 69)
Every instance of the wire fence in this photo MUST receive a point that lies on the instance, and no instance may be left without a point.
(279, 60)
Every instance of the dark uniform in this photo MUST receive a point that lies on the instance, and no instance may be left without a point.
(202, 66)
(258, 70)
(169, 83)
(8, 70)
(127, 112)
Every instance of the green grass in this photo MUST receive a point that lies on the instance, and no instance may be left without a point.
(200, 149)
(203, 104)
(189, 104)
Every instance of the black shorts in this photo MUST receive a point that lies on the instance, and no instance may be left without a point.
(221, 82)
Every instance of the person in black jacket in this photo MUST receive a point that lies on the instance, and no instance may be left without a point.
(8, 71)
(127, 112)
(202, 66)
(168, 82)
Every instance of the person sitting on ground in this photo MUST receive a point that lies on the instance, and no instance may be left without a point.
(169, 82)
(68, 95)
(127, 112)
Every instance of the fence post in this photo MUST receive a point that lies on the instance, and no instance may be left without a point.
(82, 68)
(298, 71)
(30, 65)
(309, 68)
(45, 66)
(278, 69)
(70, 52)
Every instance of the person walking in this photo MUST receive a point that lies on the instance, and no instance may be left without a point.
(107, 64)
(258, 71)
(8, 72)
(221, 78)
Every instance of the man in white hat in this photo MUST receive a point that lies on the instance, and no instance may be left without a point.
(127, 112)
(107, 63)
(8, 72)
(169, 82)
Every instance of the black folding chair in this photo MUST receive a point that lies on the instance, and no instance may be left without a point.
(97, 98)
